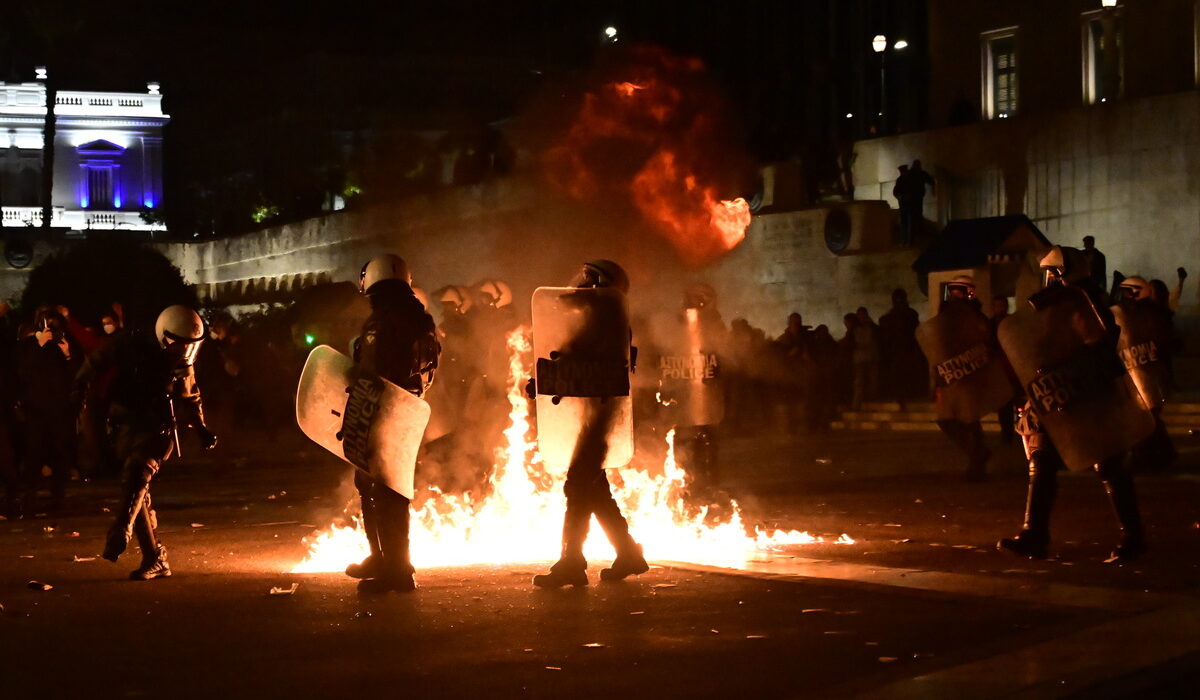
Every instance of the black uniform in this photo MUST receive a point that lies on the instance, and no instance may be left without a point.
(1045, 463)
(154, 394)
(398, 343)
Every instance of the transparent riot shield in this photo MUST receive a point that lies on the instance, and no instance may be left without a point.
(1143, 347)
(688, 368)
(363, 419)
(966, 364)
(581, 350)
(1082, 395)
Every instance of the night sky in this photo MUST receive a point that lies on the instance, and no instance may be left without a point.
(255, 88)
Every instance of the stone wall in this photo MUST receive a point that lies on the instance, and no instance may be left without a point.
(1127, 173)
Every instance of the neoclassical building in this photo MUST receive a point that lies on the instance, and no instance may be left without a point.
(107, 157)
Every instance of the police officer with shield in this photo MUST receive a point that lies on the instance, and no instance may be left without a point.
(398, 343)
(967, 370)
(1145, 348)
(1083, 410)
(154, 396)
(586, 376)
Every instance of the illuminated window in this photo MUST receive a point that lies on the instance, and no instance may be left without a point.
(999, 54)
(1103, 56)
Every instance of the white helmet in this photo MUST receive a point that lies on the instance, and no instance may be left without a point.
(1134, 288)
(383, 267)
(457, 296)
(182, 330)
(495, 293)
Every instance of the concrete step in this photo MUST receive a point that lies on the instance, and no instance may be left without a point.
(1188, 408)
(989, 426)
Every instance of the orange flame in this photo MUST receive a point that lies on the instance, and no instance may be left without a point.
(669, 133)
(521, 517)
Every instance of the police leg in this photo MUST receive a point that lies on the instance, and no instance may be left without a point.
(629, 560)
(1034, 538)
(139, 470)
(1118, 482)
(154, 554)
(977, 452)
(571, 567)
(367, 568)
(394, 571)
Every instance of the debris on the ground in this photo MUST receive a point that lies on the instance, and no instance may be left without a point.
(73, 534)
(78, 558)
(824, 460)
(638, 612)
(892, 525)
(887, 659)
(39, 586)
(197, 524)
(49, 529)
(756, 636)
(27, 556)
(277, 590)
(836, 632)
(593, 645)
(664, 585)
(963, 546)
(553, 668)
(918, 501)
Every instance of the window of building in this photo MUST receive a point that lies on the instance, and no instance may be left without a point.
(99, 187)
(999, 73)
(1103, 56)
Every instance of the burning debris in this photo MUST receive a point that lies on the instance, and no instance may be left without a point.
(518, 518)
(651, 136)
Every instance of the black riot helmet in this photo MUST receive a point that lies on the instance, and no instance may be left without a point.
(1063, 265)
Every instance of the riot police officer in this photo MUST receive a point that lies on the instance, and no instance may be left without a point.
(154, 395)
(970, 380)
(587, 488)
(1082, 410)
(1145, 348)
(398, 343)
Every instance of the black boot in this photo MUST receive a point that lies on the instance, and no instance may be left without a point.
(568, 571)
(154, 554)
(371, 566)
(628, 563)
(1034, 538)
(1119, 484)
(977, 452)
(395, 572)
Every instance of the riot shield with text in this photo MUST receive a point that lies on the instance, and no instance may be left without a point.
(1083, 397)
(689, 369)
(967, 368)
(363, 419)
(581, 350)
(1143, 347)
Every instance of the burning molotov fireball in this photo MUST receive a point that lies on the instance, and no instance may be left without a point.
(653, 137)
(519, 520)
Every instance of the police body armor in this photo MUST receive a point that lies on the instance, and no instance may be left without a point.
(1143, 348)
(581, 346)
(689, 371)
(1080, 392)
(362, 418)
(967, 368)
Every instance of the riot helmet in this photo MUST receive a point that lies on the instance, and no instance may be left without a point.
(494, 293)
(1064, 265)
(180, 331)
(961, 287)
(383, 267)
(1134, 288)
(421, 296)
(603, 273)
(455, 299)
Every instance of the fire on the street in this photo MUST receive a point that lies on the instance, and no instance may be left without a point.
(520, 518)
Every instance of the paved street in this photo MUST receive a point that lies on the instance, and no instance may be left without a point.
(921, 605)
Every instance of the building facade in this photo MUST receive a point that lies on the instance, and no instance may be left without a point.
(1082, 115)
(107, 158)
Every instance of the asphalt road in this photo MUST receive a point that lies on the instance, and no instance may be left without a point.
(922, 605)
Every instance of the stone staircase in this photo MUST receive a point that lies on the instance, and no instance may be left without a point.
(1181, 418)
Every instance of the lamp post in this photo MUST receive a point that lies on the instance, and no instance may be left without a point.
(879, 46)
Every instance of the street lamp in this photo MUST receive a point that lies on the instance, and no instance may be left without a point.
(879, 46)
(1108, 3)
(610, 34)
(900, 44)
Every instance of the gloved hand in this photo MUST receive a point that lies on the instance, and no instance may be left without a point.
(1182, 274)
(531, 389)
(207, 439)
